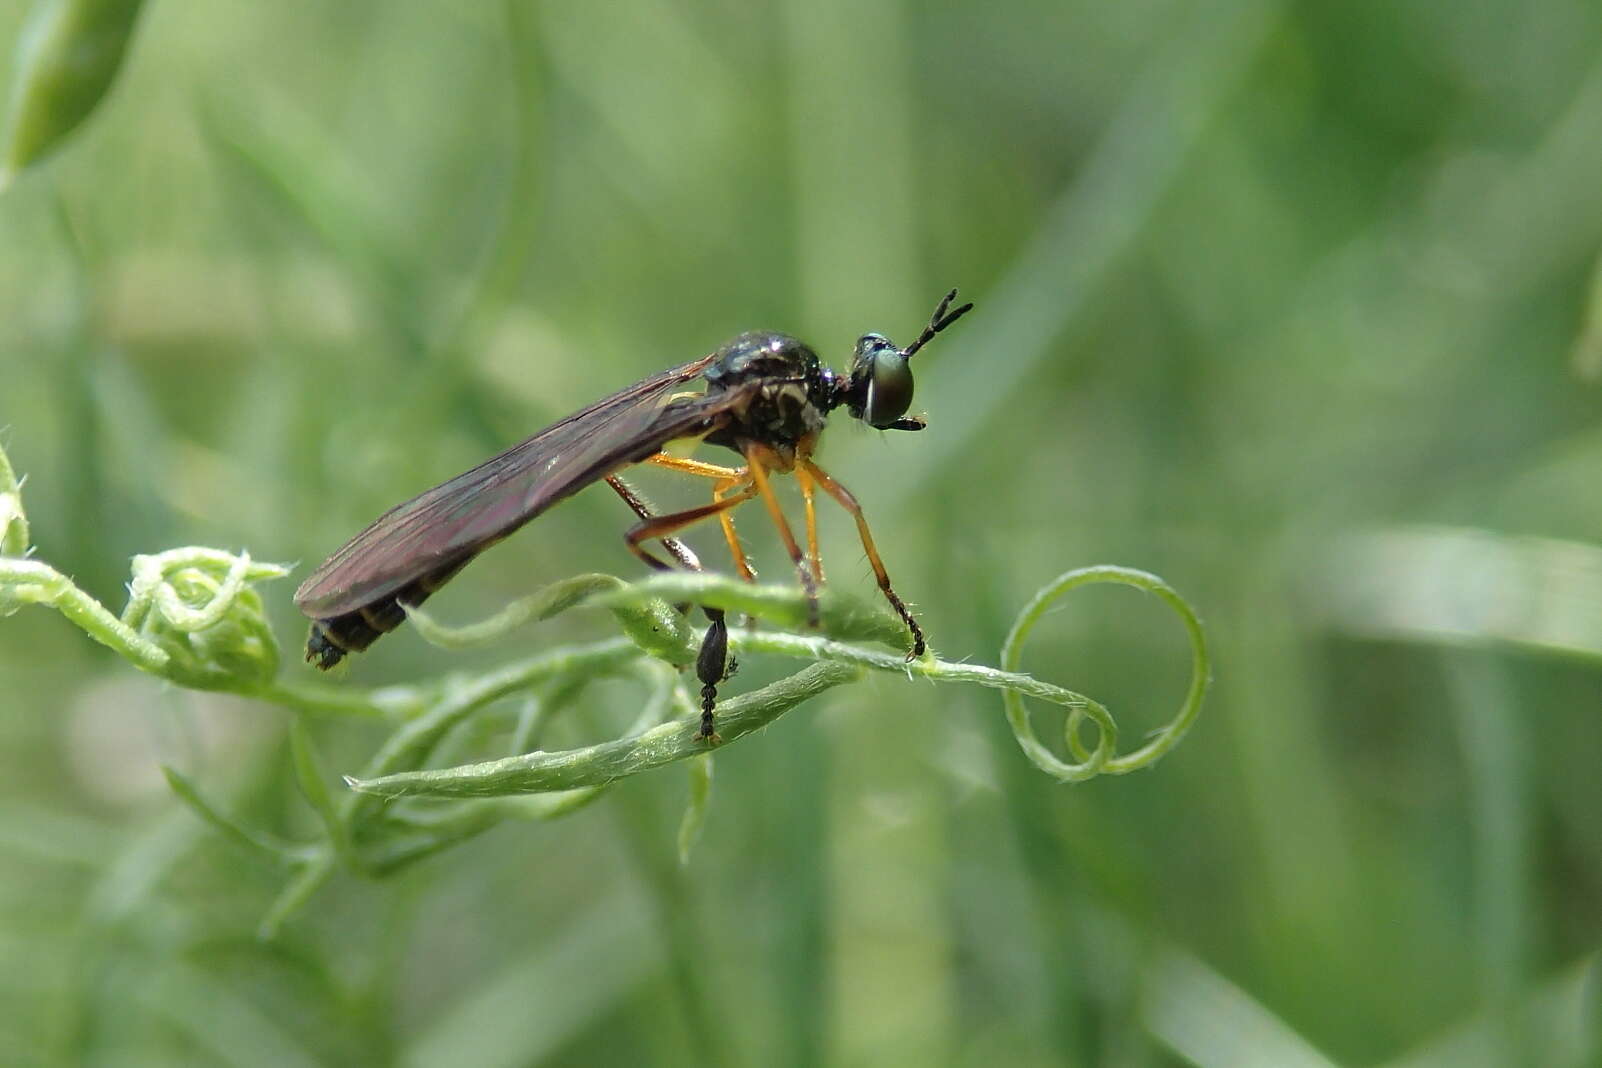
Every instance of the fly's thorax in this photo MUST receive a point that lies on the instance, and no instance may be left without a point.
(764, 355)
(793, 390)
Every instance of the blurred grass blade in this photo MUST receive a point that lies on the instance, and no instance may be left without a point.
(1563, 1014)
(33, 833)
(525, 1013)
(1463, 586)
(1212, 1023)
(220, 1019)
(1588, 347)
(1494, 732)
(67, 58)
(295, 164)
(1098, 219)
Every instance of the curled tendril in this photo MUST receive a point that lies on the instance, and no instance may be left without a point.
(1102, 759)
(191, 617)
(198, 607)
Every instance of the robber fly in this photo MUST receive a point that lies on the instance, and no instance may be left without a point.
(766, 397)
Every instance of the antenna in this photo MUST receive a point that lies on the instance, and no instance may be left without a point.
(937, 322)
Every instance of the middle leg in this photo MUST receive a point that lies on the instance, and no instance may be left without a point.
(711, 663)
(727, 478)
(760, 484)
(815, 558)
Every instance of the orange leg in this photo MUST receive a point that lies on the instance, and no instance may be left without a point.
(694, 467)
(728, 478)
(759, 478)
(651, 527)
(681, 552)
(742, 563)
(849, 503)
(815, 558)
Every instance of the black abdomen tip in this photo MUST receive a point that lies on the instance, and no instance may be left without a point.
(320, 651)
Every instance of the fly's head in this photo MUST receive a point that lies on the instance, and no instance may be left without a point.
(878, 388)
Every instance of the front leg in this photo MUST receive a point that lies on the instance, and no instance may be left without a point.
(849, 503)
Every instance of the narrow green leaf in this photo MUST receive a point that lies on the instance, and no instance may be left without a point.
(554, 599)
(189, 795)
(695, 812)
(13, 520)
(314, 785)
(68, 56)
(294, 895)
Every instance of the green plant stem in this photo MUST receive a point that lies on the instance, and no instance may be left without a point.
(34, 582)
(390, 702)
(306, 882)
(604, 763)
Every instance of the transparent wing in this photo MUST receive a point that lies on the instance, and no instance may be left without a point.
(459, 518)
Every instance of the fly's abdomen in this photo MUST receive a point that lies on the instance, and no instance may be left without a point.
(354, 631)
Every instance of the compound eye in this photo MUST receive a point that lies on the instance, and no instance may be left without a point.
(889, 387)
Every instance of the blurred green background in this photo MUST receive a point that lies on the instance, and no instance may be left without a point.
(1287, 302)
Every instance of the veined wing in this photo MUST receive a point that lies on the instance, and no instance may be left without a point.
(456, 519)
